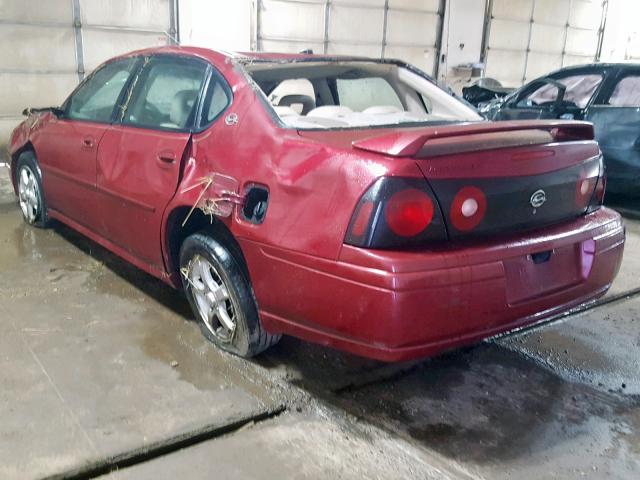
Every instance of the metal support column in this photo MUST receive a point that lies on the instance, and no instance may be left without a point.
(174, 22)
(327, 17)
(77, 30)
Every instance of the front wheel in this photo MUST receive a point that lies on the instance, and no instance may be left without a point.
(30, 193)
(221, 297)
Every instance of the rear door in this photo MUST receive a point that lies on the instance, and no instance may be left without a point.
(68, 144)
(139, 158)
(616, 118)
(563, 95)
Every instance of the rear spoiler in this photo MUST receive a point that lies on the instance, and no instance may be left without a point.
(410, 142)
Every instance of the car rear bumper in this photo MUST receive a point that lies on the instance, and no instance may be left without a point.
(404, 305)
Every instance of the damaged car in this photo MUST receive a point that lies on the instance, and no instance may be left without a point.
(345, 201)
(605, 94)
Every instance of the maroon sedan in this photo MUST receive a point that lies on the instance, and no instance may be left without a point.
(346, 201)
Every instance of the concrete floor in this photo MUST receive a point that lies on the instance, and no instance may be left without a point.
(102, 371)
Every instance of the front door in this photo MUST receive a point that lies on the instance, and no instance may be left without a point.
(139, 158)
(616, 120)
(563, 95)
(68, 144)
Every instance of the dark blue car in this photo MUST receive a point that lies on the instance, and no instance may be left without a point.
(606, 94)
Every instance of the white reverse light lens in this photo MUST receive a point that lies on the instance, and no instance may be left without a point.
(469, 207)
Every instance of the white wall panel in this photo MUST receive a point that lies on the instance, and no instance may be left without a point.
(551, 12)
(412, 28)
(509, 35)
(27, 47)
(420, 57)
(217, 24)
(291, 20)
(539, 64)
(507, 66)
(355, 27)
(288, 46)
(569, 60)
(101, 45)
(368, 28)
(49, 11)
(424, 5)
(581, 42)
(364, 3)
(513, 9)
(357, 50)
(547, 34)
(40, 90)
(146, 14)
(586, 14)
(547, 38)
(39, 65)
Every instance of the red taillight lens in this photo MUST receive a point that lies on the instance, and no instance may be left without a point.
(396, 212)
(597, 199)
(468, 208)
(408, 212)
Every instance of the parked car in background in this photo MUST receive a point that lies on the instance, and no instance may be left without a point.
(606, 94)
(484, 90)
(346, 201)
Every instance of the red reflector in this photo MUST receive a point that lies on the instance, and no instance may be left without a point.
(468, 208)
(362, 219)
(408, 212)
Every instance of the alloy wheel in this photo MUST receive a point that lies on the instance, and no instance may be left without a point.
(28, 194)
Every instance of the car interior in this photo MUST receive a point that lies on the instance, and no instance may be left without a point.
(353, 94)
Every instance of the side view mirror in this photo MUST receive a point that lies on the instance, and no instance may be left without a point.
(57, 111)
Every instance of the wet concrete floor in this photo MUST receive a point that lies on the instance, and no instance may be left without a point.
(97, 359)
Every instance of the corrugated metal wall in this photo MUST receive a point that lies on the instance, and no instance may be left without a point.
(49, 45)
(407, 29)
(528, 38)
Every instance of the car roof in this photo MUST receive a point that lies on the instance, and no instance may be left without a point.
(598, 66)
(268, 57)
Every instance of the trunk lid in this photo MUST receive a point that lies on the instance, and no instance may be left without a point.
(492, 177)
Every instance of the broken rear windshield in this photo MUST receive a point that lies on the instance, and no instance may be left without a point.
(349, 94)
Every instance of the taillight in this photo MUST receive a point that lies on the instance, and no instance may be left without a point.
(396, 212)
(597, 199)
(468, 208)
(408, 212)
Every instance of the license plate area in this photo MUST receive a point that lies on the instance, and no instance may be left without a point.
(544, 272)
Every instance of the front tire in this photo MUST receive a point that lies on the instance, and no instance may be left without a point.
(30, 192)
(221, 297)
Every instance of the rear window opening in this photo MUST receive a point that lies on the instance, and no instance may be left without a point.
(312, 95)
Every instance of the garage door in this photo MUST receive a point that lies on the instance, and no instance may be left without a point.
(406, 29)
(48, 46)
(528, 38)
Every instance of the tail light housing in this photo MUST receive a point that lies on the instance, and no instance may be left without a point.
(597, 199)
(396, 212)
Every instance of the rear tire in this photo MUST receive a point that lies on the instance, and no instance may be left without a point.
(221, 297)
(30, 191)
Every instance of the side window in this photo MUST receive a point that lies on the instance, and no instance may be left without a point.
(216, 99)
(362, 93)
(580, 89)
(165, 94)
(626, 93)
(97, 97)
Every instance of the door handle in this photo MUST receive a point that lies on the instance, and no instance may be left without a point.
(167, 156)
(88, 142)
